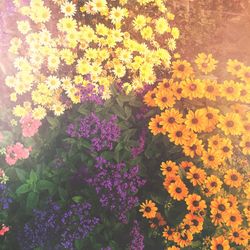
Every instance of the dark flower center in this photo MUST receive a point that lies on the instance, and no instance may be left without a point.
(158, 125)
(179, 134)
(166, 85)
(210, 88)
(196, 176)
(153, 95)
(148, 209)
(222, 207)
(247, 74)
(169, 169)
(213, 184)
(248, 144)
(218, 216)
(204, 65)
(179, 90)
(243, 92)
(233, 218)
(171, 120)
(210, 116)
(195, 222)
(230, 90)
(234, 177)
(219, 247)
(187, 227)
(193, 87)
(196, 203)
(215, 142)
(184, 237)
(230, 124)
(193, 148)
(181, 67)
(236, 234)
(164, 99)
(226, 149)
(194, 120)
(211, 158)
(178, 190)
(169, 232)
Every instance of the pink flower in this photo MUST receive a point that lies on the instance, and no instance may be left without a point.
(16, 152)
(4, 230)
(30, 125)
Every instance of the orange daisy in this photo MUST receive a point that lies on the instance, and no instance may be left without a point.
(244, 74)
(195, 203)
(196, 176)
(212, 118)
(186, 165)
(219, 243)
(155, 125)
(158, 221)
(171, 118)
(149, 98)
(234, 67)
(168, 233)
(230, 90)
(149, 209)
(197, 222)
(193, 88)
(226, 148)
(183, 239)
(205, 63)
(178, 190)
(238, 236)
(233, 178)
(193, 149)
(164, 99)
(233, 218)
(219, 204)
(211, 158)
(217, 218)
(245, 144)
(230, 124)
(211, 90)
(169, 167)
(212, 185)
(196, 121)
(177, 91)
(182, 69)
(180, 135)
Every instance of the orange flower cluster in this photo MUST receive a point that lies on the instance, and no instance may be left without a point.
(210, 121)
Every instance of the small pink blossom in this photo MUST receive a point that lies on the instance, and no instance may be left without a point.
(30, 125)
(4, 230)
(16, 152)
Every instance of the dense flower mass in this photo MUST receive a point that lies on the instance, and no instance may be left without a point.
(209, 120)
(137, 242)
(100, 132)
(55, 228)
(116, 186)
(29, 125)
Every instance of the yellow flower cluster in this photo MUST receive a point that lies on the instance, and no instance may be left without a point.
(210, 120)
(101, 43)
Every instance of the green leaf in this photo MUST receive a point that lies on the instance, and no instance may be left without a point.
(82, 110)
(77, 199)
(52, 121)
(21, 174)
(44, 184)
(32, 200)
(33, 176)
(23, 189)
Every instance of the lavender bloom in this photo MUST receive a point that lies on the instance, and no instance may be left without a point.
(135, 151)
(116, 186)
(55, 229)
(88, 94)
(101, 133)
(137, 238)
(4, 199)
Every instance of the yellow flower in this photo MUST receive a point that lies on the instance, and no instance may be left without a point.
(58, 109)
(175, 33)
(117, 14)
(139, 22)
(206, 63)
(67, 24)
(119, 70)
(161, 25)
(147, 33)
(98, 5)
(39, 113)
(68, 8)
(23, 27)
(53, 82)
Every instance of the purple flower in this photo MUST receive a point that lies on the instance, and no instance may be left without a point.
(135, 151)
(116, 186)
(89, 93)
(136, 237)
(101, 133)
(56, 228)
(4, 199)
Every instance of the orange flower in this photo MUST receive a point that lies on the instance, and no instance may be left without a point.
(233, 218)
(173, 248)
(211, 89)
(182, 69)
(215, 142)
(171, 118)
(244, 74)
(155, 125)
(219, 243)
(149, 98)
(194, 203)
(238, 236)
(183, 239)
(234, 67)
(158, 221)
(168, 233)
(244, 93)
(226, 148)
(233, 202)
(196, 176)
(169, 179)
(179, 135)
(177, 91)
(220, 205)
(165, 85)
(169, 167)
(148, 209)
(187, 165)
(194, 149)
(164, 99)
(212, 116)
(211, 158)
(178, 190)
(245, 144)
(230, 90)
(205, 63)
(217, 218)
(196, 121)
(197, 222)
(230, 124)
(233, 178)
(212, 185)
(193, 88)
